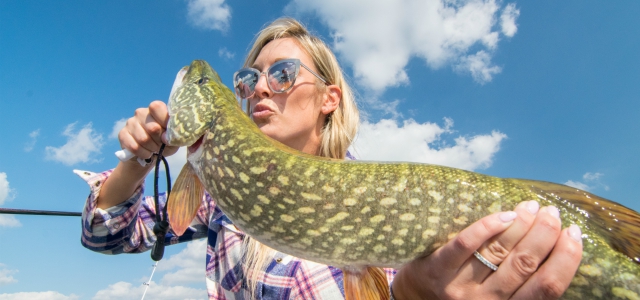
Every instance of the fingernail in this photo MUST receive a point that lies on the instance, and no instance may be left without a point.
(507, 216)
(553, 211)
(164, 137)
(575, 233)
(533, 207)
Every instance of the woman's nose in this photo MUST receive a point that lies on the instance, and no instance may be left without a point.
(262, 89)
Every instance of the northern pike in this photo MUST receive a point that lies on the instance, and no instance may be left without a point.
(361, 216)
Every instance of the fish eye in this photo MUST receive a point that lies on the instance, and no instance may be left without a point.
(203, 80)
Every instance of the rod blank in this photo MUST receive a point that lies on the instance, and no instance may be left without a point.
(15, 211)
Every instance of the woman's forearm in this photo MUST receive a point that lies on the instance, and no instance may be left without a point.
(122, 183)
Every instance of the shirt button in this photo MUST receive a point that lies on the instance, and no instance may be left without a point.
(278, 260)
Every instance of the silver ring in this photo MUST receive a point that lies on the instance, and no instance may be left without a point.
(485, 261)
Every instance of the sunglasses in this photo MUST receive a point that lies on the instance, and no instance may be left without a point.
(280, 77)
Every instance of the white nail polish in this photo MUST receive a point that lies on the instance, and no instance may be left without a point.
(507, 216)
(533, 207)
(575, 233)
(553, 211)
(164, 137)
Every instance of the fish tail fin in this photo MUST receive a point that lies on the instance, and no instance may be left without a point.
(184, 200)
(368, 284)
(617, 224)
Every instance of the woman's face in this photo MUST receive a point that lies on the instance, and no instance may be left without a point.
(296, 117)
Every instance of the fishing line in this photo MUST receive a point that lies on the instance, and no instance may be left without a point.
(149, 282)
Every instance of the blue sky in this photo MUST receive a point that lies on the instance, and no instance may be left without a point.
(540, 90)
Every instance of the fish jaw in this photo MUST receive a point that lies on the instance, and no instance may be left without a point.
(191, 103)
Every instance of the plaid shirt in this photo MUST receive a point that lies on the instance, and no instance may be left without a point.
(128, 228)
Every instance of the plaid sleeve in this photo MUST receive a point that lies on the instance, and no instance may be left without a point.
(128, 227)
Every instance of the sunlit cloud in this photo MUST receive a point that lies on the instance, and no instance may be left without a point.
(117, 126)
(6, 194)
(508, 20)
(81, 146)
(185, 267)
(426, 143)
(479, 66)
(378, 38)
(226, 54)
(9, 221)
(33, 138)
(209, 14)
(5, 275)
(176, 162)
(590, 181)
(127, 291)
(48, 295)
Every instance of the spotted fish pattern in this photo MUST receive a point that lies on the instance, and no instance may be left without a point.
(352, 214)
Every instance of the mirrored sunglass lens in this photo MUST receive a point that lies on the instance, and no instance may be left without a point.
(282, 75)
(245, 83)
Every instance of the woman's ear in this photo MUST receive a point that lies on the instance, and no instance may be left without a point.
(331, 99)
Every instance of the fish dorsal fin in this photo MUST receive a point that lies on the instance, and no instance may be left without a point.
(368, 284)
(617, 224)
(184, 200)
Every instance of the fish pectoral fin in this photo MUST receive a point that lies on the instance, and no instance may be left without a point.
(184, 200)
(368, 284)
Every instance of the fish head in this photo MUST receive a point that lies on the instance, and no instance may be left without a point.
(191, 103)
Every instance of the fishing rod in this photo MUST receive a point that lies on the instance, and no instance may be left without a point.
(16, 211)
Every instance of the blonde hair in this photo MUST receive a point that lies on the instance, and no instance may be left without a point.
(339, 129)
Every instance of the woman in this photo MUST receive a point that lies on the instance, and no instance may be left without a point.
(315, 112)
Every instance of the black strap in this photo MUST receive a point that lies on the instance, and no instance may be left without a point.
(162, 224)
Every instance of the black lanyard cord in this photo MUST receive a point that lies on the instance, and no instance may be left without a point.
(162, 224)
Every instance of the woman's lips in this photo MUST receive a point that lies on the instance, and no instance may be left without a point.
(261, 111)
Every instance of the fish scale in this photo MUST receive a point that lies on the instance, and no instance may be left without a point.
(353, 214)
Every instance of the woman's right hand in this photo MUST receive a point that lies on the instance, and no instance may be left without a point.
(142, 134)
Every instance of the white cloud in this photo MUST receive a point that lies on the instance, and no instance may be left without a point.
(117, 126)
(125, 291)
(9, 221)
(414, 142)
(6, 193)
(5, 275)
(378, 38)
(508, 20)
(209, 14)
(226, 54)
(48, 295)
(176, 162)
(185, 267)
(591, 181)
(479, 65)
(577, 184)
(592, 176)
(33, 139)
(190, 263)
(80, 146)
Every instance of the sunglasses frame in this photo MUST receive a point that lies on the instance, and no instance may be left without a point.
(297, 64)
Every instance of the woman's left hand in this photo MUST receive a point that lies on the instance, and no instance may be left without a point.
(537, 260)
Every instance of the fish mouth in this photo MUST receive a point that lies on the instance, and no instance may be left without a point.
(195, 146)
